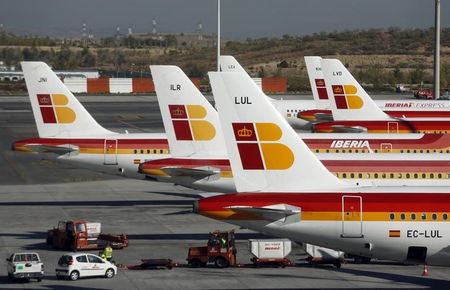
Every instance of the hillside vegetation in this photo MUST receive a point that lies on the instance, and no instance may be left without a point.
(381, 58)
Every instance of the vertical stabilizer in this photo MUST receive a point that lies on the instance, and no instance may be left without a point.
(56, 110)
(317, 82)
(266, 154)
(348, 99)
(191, 123)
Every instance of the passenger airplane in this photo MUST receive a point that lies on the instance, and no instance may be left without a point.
(318, 109)
(285, 191)
(204, 165)
(354, 111)
(395, 109)
(67, 129)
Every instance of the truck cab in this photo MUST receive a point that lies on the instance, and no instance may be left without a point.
(26, 265)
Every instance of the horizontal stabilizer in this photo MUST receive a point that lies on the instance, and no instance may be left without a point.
(195, 173)
(348, 129)
(272, 213)
(59, 150)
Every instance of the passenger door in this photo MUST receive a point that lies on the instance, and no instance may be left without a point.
(352, 217)
(392, 127)
(110, 152)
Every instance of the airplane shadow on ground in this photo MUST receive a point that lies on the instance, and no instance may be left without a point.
(122, 203)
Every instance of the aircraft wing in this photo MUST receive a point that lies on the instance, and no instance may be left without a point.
(195, 173)
(270, 213)
(59, 149)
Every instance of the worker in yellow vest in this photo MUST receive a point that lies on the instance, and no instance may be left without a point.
(107, 253)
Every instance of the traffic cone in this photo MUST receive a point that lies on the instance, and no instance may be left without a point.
(425, 270)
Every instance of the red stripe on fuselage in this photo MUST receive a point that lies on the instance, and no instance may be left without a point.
(371, 202)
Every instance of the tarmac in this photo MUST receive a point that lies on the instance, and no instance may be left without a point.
(36, 192)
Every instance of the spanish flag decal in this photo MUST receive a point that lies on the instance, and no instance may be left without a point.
(394, 233)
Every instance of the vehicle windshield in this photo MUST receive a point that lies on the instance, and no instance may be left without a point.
(64, 260)
(26, 258)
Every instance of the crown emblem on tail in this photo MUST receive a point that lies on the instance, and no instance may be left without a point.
(338, 90)
(244, 132)
(178, 112)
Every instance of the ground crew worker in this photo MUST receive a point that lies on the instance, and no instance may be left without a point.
(107, 253)
(223, 242)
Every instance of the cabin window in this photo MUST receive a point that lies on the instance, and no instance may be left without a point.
(448, 175)
(439, 175)
(375, 175)
(161, 151)
(434, 151)
(383, 175)
(135, 151)
(352, 175)
(413, 216)
(400, 175)
(356, 151)
(142, 151)
(428, 151)
(408, 175)
(444, 216)
(376, 150)
(423, 216)
(431, 175)
(391, 175)
(416, 175)
(360, 175)
(424, 175)
(421, 151)
(328, 151)
(391, 216)
(148, 151)
(367, 175)
(434, 216)
(447, 151)
(441, 151)
(343, 150)
(344, 175)
(363, 151)
(402, 216)
(350, 151)
(415, 151)
(317, 150)
(401, 151)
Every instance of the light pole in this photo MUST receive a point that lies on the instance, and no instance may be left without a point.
(218, 35)
(437, 44)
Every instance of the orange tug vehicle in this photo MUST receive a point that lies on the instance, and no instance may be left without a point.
(220, 250)
(76, 235)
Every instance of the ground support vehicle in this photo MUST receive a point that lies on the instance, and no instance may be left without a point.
(81, 235)
(270, 252)
(320, 255)
(220, 250)
(25, 265)
(77, 265)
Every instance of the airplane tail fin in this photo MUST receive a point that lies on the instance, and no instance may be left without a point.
(317, 82)
(191, 123)
(56, 110)
(349, 101)
(265, 153)
(229, 64)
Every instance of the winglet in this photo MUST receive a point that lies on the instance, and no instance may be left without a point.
(191, 123)
(348, 99)
(56, 110)
(265, 153)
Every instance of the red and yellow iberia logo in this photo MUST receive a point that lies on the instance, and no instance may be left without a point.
(258, 148)
(189, 124)
(321, 89)
(54, 109)
(346, 98)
